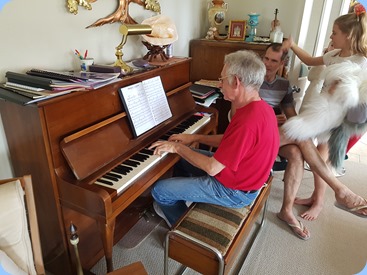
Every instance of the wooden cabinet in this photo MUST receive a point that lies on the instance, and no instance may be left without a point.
(208, 56)
(207, 63)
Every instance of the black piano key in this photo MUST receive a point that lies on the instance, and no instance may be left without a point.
(181, 128)
(131, 163)
(121, 172)
(165, 137)
(116, 175)
(109, 177)
(185, 125)
(175, 131)
(147, 151)
(139, 157)
(122, 169)
(104, 181)
(125, 167)
(193, 119)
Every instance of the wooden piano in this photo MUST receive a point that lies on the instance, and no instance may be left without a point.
(69, 142)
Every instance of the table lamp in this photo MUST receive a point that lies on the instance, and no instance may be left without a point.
(125, 30)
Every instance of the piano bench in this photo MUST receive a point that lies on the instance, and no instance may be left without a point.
(210, 238)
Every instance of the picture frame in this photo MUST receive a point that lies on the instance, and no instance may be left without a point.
(237, 30)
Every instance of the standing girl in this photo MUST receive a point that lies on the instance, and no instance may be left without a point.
(349, 39)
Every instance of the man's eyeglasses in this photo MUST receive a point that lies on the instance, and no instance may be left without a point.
(224, 77)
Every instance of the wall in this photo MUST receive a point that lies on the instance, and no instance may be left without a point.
(43, 34)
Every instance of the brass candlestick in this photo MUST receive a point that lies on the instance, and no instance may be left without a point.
(74, 240)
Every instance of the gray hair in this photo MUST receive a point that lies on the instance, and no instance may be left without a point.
(247, 66)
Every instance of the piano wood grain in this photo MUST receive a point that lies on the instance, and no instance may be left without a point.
(37, 136)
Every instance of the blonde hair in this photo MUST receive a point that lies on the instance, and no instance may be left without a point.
(355, 26)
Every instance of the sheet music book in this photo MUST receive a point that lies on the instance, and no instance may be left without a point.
(29, 80)
(25, 98)
(146, 104)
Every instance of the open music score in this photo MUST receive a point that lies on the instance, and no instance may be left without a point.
(146, 104)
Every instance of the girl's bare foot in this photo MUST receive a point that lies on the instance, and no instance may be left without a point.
(306, 202)
(313, 212)
(315, 208)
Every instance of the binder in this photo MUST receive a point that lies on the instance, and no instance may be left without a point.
(201, 90)
(74, 77)
(29, 80)
(63, 76)
(7, 94)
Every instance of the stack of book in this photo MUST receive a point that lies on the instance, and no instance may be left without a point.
(41, 84)
(204, 95)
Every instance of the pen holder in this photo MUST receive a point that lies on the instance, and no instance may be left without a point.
(85, 63)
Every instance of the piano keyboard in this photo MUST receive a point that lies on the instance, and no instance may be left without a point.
(122, 176)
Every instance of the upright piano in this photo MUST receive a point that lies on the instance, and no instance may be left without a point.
(69, 143)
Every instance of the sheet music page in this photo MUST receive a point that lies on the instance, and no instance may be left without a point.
(157, 99)
(145, 104)
(137, 107)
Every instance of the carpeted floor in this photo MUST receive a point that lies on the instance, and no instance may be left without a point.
(338, 243)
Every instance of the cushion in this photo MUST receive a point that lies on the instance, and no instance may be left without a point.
(214, 225)
(14, 236)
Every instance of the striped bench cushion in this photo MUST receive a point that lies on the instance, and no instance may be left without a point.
(214, 225)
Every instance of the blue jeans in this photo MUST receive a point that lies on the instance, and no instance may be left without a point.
(194, 185)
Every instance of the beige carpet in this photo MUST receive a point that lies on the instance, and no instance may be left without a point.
(140, 231)
(338, 244)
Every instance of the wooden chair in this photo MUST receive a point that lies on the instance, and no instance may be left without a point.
(19, 233)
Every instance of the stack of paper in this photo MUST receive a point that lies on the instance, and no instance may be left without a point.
(41, 84)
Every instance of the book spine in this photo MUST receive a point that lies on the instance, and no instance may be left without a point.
(51, 75)
(11, 96)
(202, 90)
(29, 80)
(65, 76)
(31, 84)
(104, 69)
(199, 99)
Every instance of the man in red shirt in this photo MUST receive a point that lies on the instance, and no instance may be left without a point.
(245, 152)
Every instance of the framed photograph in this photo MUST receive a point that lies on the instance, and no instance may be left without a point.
(237, 30)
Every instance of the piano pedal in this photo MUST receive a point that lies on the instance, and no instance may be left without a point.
(148, 214)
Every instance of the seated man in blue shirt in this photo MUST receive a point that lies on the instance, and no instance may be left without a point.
(277, 92)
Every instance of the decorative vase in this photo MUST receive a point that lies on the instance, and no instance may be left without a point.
(252, 22)
(216, 12)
